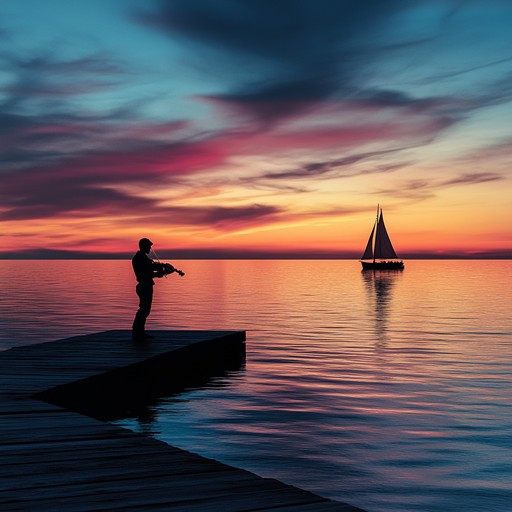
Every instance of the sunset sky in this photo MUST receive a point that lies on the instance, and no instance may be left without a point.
(255, 127)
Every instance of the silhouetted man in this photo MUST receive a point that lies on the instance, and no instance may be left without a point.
(145, 270)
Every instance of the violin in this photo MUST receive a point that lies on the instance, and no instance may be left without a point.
(167, 268)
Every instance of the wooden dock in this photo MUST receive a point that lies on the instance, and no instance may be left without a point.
(58, 454)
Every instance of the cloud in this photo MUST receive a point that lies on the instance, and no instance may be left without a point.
(44, 82)
(301, 52)
(56, 196)
(472, 178)
(219, 217)
(108, 160)
(281, 61)
(102, 182)
(423, 188)
(341, 167)
(239, 218)
(40, 119)
(69, 197)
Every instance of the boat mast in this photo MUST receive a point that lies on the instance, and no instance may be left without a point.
(375, 236)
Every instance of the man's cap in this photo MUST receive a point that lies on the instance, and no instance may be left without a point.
(145, 242)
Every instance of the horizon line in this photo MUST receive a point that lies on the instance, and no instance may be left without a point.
(220, 254)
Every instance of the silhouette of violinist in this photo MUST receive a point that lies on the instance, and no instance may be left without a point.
(145, 271)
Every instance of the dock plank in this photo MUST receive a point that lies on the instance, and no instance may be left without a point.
(56, 453)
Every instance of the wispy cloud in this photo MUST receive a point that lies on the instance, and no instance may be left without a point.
(421, 189)
(472, 178)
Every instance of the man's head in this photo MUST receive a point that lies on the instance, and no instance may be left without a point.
(145, 245)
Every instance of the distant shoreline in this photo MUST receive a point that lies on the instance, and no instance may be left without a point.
(189, 255)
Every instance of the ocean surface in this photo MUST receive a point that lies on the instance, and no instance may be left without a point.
(391, 391)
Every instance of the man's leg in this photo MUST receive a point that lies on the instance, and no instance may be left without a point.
(145, 293)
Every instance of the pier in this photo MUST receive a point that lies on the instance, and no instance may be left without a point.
(58, 453)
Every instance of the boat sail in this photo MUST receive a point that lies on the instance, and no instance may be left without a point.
(379, 248)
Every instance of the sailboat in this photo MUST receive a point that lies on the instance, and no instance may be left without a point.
(379, 253)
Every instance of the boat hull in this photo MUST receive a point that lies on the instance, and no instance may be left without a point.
(382, 265)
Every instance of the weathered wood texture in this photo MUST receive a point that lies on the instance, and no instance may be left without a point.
(55, 458)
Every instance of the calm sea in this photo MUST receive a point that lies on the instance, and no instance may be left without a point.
(390, 391)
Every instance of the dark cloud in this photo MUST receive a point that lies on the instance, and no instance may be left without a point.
(220, 217)
(281, 59)
(69, 197)
(39, 121)
(333, 167)
(449, 74)
(299, 50)
(56, 159)
(229, 218)
(43, 84)
(35, 139)
(87, 183)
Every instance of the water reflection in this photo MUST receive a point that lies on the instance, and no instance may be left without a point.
(379, 286)
(144, 412)
(133, 391)
(147, 413)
